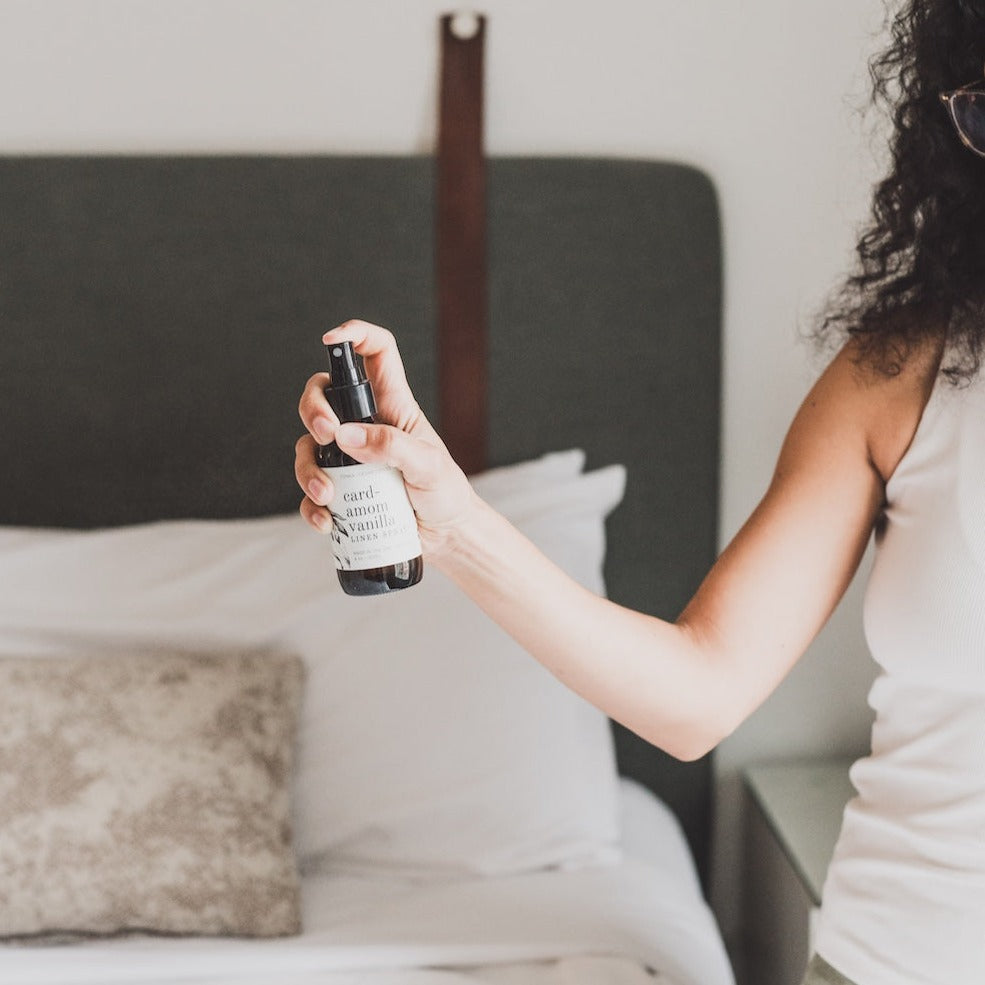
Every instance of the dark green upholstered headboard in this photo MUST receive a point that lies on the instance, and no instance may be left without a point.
(159, 317)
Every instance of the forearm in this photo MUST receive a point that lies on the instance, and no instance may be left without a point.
(648, 674)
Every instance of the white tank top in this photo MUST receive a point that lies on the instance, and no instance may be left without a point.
(904, 900)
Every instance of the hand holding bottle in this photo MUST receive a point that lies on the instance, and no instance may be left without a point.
(438, 489)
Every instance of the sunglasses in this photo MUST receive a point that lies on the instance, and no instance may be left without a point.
(967, 108)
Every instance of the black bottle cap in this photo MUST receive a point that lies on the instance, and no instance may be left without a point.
(350, 394)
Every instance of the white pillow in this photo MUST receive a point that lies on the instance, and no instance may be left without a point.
(493, 484)
(429, 741)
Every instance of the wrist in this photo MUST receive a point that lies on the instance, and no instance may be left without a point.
(451, 542)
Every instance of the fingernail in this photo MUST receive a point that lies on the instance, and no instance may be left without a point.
(324, 429)
(318, 490)
(323, 522)
(353, 435)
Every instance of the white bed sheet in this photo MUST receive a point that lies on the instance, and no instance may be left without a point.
(639, 921)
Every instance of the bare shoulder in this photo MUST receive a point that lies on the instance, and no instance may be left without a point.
(886, 409)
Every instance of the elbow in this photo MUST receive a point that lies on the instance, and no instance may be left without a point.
(707, 708)
(695, 731)
(691, 753)
(686, 740)
(690, 703)
(693, 747)
(709, 722)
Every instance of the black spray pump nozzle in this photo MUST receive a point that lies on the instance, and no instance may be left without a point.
(343, 366)
(350, 394)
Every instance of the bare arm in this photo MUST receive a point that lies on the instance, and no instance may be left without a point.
(684, 685)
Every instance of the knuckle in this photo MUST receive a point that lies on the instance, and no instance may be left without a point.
(303, 405)
(381, 438)
(315, 517)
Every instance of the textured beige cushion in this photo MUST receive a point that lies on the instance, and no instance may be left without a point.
(148, 792)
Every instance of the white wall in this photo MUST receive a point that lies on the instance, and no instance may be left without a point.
(762, 94)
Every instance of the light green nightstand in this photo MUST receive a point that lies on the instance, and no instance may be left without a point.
(793, 816)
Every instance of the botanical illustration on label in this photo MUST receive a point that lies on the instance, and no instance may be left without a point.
(373, 523)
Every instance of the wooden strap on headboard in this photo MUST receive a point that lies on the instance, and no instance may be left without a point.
(460, 260)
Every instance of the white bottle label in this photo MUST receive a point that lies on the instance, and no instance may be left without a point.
(373, 523)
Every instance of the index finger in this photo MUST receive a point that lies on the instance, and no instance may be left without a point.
(378, 348)
(369, 340)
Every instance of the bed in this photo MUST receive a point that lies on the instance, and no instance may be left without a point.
(159, 317)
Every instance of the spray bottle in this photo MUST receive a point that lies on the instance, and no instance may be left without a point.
(374, 530)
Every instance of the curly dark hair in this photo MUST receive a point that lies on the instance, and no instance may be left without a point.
(920, 266)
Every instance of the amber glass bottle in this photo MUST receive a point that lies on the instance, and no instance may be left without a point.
(374, 529)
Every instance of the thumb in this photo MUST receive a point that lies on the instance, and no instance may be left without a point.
(421, 463)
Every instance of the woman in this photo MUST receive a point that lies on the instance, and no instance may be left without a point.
(891, 439)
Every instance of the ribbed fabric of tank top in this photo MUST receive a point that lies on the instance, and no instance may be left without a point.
(904, 900)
